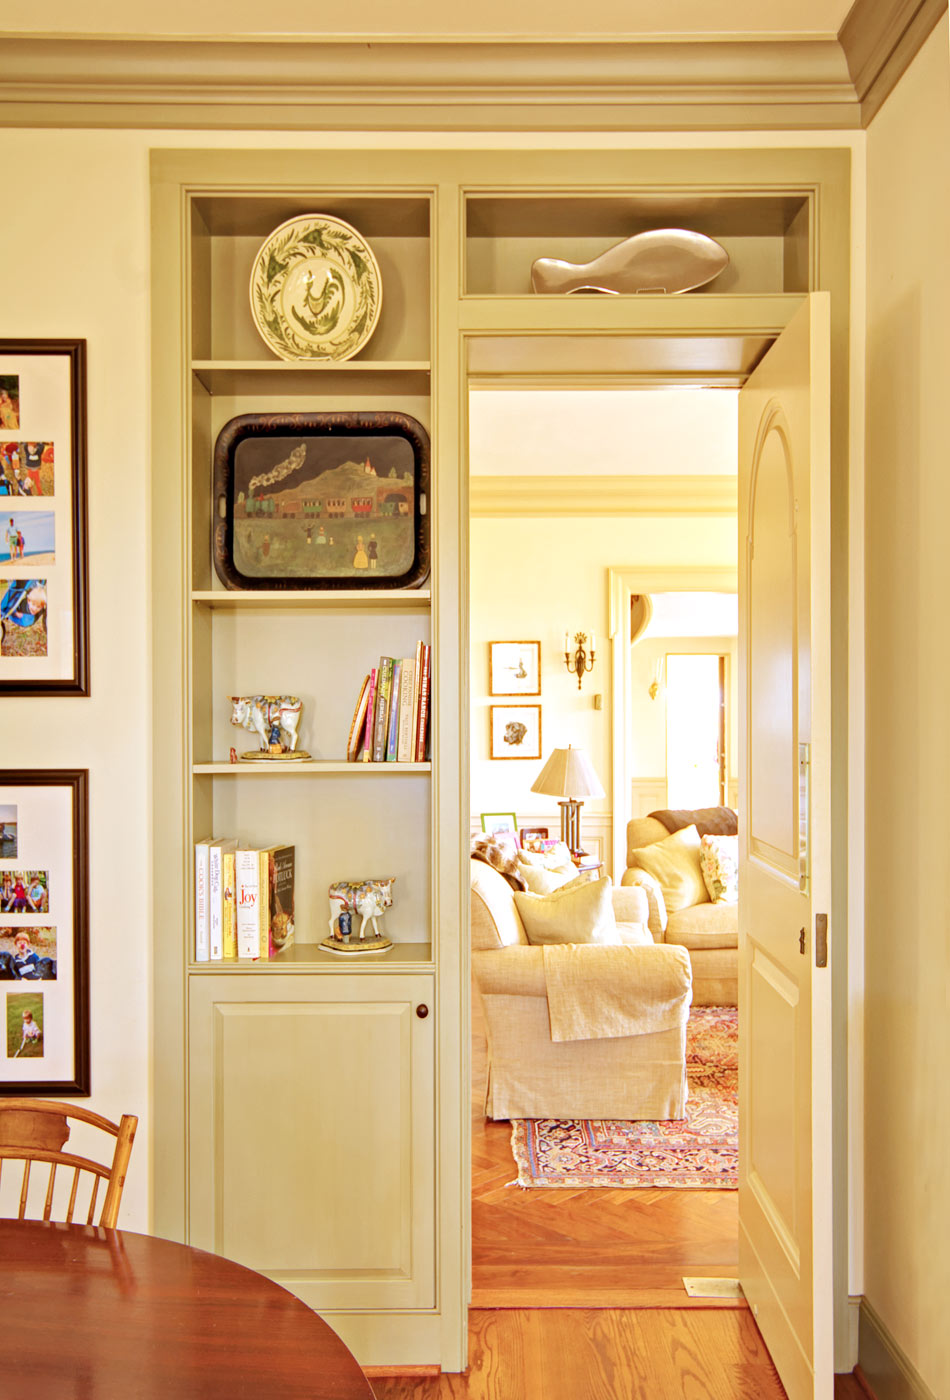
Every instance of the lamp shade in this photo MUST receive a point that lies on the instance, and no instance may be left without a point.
(568, 773)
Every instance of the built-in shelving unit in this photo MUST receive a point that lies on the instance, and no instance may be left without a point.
(345, 1082)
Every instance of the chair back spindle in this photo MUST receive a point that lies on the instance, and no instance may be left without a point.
(37, 1130)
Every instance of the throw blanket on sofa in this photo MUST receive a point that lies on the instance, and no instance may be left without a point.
(500, 852)
(625, 990)
(709, 821)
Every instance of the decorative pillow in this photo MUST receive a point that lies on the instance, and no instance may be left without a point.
(581, 912)
(540, 880)
(674, 864)
(719, 861)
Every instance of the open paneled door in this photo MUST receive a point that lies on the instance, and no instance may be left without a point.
(785, 1214)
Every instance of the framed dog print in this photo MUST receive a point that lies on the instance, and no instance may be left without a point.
(514, 668)
(44, 940)
(44, 647)
(515, 731)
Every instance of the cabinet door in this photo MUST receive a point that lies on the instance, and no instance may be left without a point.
(311, 1133)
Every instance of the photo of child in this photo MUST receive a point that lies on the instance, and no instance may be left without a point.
(25, 1025)
(28, 954)
(24, 891)
(23, 616)
(8, 831)
(30, 535)
(9, 401)
(36, 461)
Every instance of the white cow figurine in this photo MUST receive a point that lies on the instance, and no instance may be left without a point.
(261, 713)
(369, 898)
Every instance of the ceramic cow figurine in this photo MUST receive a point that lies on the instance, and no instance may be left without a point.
(368, 898)
(269, 717)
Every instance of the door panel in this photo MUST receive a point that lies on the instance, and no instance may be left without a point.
(785, 1246)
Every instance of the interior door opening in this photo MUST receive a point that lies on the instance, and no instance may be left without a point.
(538, 569)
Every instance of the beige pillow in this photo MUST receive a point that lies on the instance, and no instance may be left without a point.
(581, 912)
(674, 864)
(543, 881)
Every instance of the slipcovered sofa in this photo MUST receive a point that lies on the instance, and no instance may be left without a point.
(708, 931)
(603, 1070)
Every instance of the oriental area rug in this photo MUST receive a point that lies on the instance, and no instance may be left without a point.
(698, 1151)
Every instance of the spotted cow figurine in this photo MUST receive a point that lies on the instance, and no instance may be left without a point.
(368, 898)
(267, 716)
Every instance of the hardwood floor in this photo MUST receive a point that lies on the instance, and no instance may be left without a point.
(603, 1354)
(578, 1295)
(547, 1248)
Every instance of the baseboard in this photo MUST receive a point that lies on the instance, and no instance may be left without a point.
(884, 1367)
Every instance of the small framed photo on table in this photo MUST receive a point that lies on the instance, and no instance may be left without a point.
(493, 822)
(44, 647)
(514, 668)
(515, 731)
(44, 933)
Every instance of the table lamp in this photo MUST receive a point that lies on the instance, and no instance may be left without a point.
(569, 775)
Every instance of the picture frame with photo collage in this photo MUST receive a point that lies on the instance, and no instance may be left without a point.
(44, 647)
(44, 932)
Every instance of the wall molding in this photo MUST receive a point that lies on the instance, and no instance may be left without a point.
(394, 84)
(880, 39)
(303, 83)
(886, 1369)
(602, 495)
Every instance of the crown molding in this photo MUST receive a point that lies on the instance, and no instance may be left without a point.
(250, 84)
(301, 83)
(601, 495)
(880, 39)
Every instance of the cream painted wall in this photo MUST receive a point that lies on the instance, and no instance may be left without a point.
(74, 250)
(535, 579)
(907, 1108)
(604, 432)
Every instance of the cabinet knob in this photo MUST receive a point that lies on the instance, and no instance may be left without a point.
(422, 1011)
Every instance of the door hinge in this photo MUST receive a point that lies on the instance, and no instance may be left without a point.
(821, 940)
(801, 941)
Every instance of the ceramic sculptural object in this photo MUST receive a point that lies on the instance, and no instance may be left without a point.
(274, 719)
(662, 260)
(367, 898)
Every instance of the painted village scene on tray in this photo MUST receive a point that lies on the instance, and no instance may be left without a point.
(325, 507)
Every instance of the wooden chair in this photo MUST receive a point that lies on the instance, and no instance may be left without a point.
(35, 1130)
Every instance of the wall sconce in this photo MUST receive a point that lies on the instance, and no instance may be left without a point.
(582, 660)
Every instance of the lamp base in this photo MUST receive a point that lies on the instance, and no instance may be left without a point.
(571, 825)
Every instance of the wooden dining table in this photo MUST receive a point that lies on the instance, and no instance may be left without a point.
(95, 1314)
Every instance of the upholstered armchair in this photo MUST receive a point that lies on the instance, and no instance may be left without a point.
(680, 912)
(624, 1005)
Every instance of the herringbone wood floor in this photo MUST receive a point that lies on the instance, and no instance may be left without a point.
(592, 1248)
(577, 1295)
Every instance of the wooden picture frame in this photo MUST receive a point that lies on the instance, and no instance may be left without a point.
(44, 932)
(515, 731)
(514, 668)
(534, 838)
(321, 501)
(44, 640)
(493, 822)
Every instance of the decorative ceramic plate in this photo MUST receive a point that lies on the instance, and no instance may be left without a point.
(315, 289)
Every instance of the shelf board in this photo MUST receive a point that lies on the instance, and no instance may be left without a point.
(305, 955)
(259, 768)
(325, 598)
(294, 376)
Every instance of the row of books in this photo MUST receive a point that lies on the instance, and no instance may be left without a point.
(391, 720)
(244, 900)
